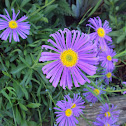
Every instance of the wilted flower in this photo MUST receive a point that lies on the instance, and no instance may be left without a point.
(13, 27)
(70, 58)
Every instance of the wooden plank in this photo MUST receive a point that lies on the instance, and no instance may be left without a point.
(91, 112)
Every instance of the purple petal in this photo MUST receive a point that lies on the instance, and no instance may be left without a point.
(21, 33)
(49, 47)
(63, 78)
(49, 66)
(6, 34)
(15, 36)
(124, 92)
(10, 36)
(3, 16)
(14, 14)
(22, 19)
(124, 82)
(78, 76)
(57, 41)
(7, 14)
(69, 80)
(57, 77)
(68, 37)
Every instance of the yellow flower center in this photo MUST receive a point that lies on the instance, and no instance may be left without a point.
(69, 58)
(73, 105)
(68, 112)
(96, 91)
(107, 114)
(108, 74)
(107, 124)
(109, 58)
(13, 24)
(101, 32)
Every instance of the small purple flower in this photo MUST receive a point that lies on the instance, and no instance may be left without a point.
(65, 114)
(124, 92)
(76, 104)
(105, 122)
(101, 31)
(91, 97)
(108, 76)
(107, 59)
(69, 58)
(109, 112)
(13, 27)
(123, 82)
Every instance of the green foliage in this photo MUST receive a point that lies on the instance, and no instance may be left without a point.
(80, 7)
(116, 11)
(64, 8)
(26, 96)
(25, 93)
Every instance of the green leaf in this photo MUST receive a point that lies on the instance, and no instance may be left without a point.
(93, 10)
(18, 68)
(32, 123)
(120, 54)
(114, 33)
(18, 116)
(6, 95)
(44, 19)
(11, 90)
(13, 58)
(7, 74)
(112, 18)
(50, 8)
(23, 107)
(24, 123)
(8, 106)
(25, 92)
(16, 50)
(24, 2)
(24, 61)
(7, 3)
(27, 77)
(121, 38)
(33, 105)
(28, 59)
(0, 102)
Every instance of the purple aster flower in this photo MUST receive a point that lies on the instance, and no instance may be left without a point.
(107, 59)
(76, 104)
(124, 92)
(72, 56)
(101, 31)
(91, 97)
(109, 112)
(123, 82)
(108, 76)
(13, 27)
(65, 114)
(105, 122)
